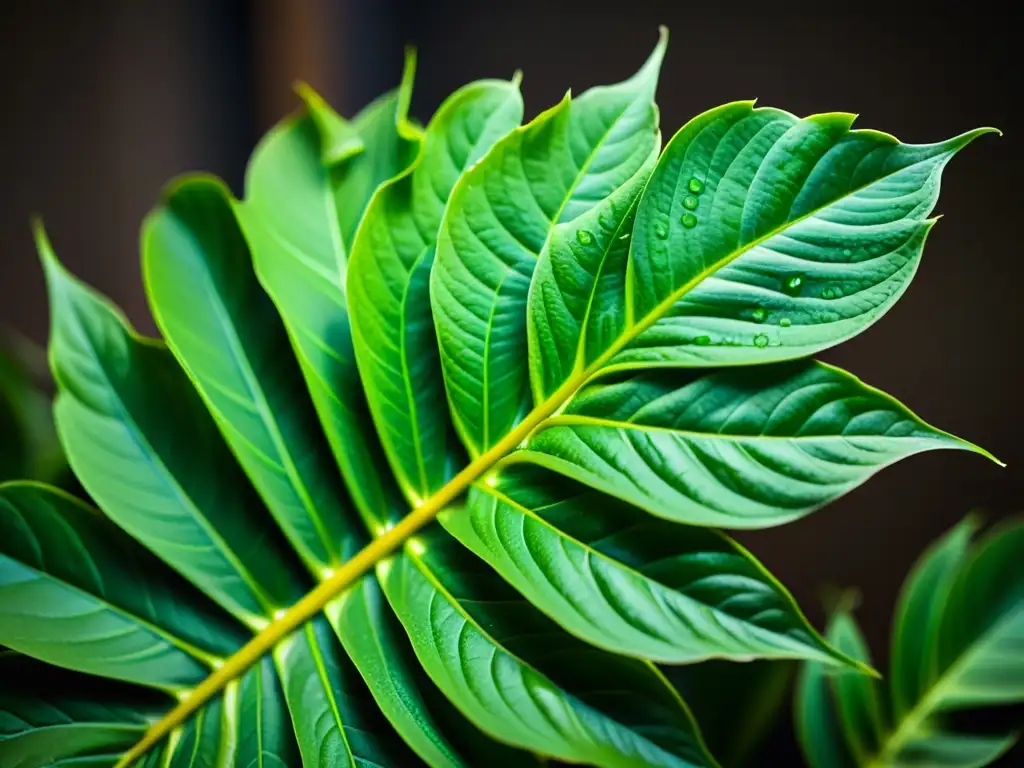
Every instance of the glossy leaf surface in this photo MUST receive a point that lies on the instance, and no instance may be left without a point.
(562, 164)
(300, 250)
(738, 448)
(764, 237)
(141, 442)
(627, 582)
(229, 338)
(519, 678)
(389, 290)
(76, 592)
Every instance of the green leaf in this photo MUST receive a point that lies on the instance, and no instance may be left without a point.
(339, 140)
(333, 715)
(765, 237)
(299, 218)
(48, 715)
(197, 742)
(629, 583)
(566, 162)
(391, 142)
(957, 646)
(144, 447)
(859, 702)
(388, 284)
(255, 728)
(77, 592)
(369, 633)
(919, 615)
(520, 679)
(290, 221)
(737, 447)
(974, 640)
(229, 338)
(817, 720)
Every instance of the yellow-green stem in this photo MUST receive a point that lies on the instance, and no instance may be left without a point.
(390, 540)
(342, 578)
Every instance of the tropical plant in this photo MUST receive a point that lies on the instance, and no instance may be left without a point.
(574, 356)
(957, 645)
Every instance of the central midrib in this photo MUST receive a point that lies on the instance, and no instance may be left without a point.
(391, 540)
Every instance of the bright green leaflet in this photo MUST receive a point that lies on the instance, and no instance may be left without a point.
(765, 237)
(393, 339)
(333, 715)
(737, 448)
(511, 671)
(339, 139)
(142, 444)
(229, 338)
(957, 646)
(627, 582)
(540, 286)
(48, 715)
(562, 164)
(388, 284)
(255, 731)
(290, 217)
(373, 640)
(78, 593)
(290, 220)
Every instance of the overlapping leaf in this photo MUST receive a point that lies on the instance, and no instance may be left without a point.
(958, 645)
(735, 447)
(457, 314)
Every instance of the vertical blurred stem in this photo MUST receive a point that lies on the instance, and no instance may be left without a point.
(294, 40)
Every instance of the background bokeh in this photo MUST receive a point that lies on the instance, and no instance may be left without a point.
(103, 102)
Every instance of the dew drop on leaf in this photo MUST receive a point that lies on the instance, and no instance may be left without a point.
(624, 237)
(661, 230)
(690, 203)
(689, 221)
(785, 322)
(696, 186)
(702, 341)
(583, 237)
(847, 252)
(761, 341)
(792, 284)
(759, 314)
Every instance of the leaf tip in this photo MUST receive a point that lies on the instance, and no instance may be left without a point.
(517, 78)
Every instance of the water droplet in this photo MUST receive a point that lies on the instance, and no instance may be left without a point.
(661, 230)
(847, 252)
(702, 341)
(761, 341)
(785, 322)
(696, 186)
(792, 284)
(828, 293)
(690, 203)
(689, 221)
(759, 314)
(583, 237)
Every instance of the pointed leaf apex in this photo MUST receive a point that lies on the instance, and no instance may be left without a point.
(517, 78)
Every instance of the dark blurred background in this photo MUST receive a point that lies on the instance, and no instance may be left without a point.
(104, 102)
